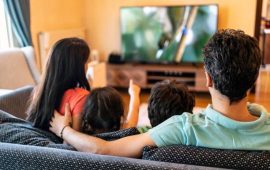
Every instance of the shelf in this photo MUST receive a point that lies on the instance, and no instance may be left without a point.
(147, 75)
(170, 78)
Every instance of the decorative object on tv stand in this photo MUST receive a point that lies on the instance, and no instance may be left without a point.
(94, 56)
(115, 58)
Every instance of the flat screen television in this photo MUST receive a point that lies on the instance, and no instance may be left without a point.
(171, 34)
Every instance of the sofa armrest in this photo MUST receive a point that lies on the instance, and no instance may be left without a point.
(16, 102)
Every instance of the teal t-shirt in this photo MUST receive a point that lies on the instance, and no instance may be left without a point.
(212, 129)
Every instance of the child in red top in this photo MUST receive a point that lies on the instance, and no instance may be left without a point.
(101, 110)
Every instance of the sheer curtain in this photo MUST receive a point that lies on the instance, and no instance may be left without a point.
(6, 38)
(19, 13)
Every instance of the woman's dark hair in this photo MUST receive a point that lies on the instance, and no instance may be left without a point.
(65, 69)
(168, 98)
(102, 111)
(232, 59)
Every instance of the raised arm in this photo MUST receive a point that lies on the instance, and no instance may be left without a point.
(134, 105)
(128, 147)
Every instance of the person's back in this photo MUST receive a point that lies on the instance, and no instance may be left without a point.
(232, 61)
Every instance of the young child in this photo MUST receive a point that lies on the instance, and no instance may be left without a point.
(167, 98)
(100, 110)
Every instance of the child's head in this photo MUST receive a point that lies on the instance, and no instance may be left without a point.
(65, 69)
(102, 111)
(168, 98)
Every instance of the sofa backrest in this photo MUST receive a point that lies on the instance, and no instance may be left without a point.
(17, 101)
(14, 156)
(17, 68)
(233, 159)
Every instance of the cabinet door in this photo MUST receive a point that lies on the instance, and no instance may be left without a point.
(121, 77)
(266, 48)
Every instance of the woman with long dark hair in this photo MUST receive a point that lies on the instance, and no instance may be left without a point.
(65, 70)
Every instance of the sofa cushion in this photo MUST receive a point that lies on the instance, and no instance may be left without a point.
(19, 131)
(235, 159)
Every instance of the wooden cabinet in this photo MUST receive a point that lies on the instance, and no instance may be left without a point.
(266, 46)
(118, 75)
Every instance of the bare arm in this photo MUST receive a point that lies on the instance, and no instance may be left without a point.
(129, 146)
(134, 105)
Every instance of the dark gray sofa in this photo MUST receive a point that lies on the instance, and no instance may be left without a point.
(25, 147)
(14, 156)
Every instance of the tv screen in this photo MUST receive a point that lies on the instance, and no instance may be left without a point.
(173, 34)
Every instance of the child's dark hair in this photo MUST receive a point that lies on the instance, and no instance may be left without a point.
(102, 111)
(168, 98)
(65, 69)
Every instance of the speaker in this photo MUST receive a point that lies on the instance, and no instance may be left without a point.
(115, 58)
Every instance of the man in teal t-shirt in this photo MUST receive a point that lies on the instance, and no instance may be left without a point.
(232, 61)
(214, 130)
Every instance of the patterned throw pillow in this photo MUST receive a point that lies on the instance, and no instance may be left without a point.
(234, 159)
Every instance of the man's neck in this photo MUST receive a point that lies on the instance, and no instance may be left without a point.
(237, 110)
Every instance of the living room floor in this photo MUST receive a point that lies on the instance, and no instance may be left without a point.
(261, 95)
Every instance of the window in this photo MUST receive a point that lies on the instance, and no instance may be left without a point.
(6, 37)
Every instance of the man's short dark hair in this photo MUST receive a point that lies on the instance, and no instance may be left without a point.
(168, 98)
(232, 59)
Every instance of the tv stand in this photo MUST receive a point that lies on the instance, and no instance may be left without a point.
(118, 75)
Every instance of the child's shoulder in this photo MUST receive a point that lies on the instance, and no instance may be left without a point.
(81, 91)
(76, 92)
(73, 96)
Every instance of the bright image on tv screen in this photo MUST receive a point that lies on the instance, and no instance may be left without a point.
(166, 34)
